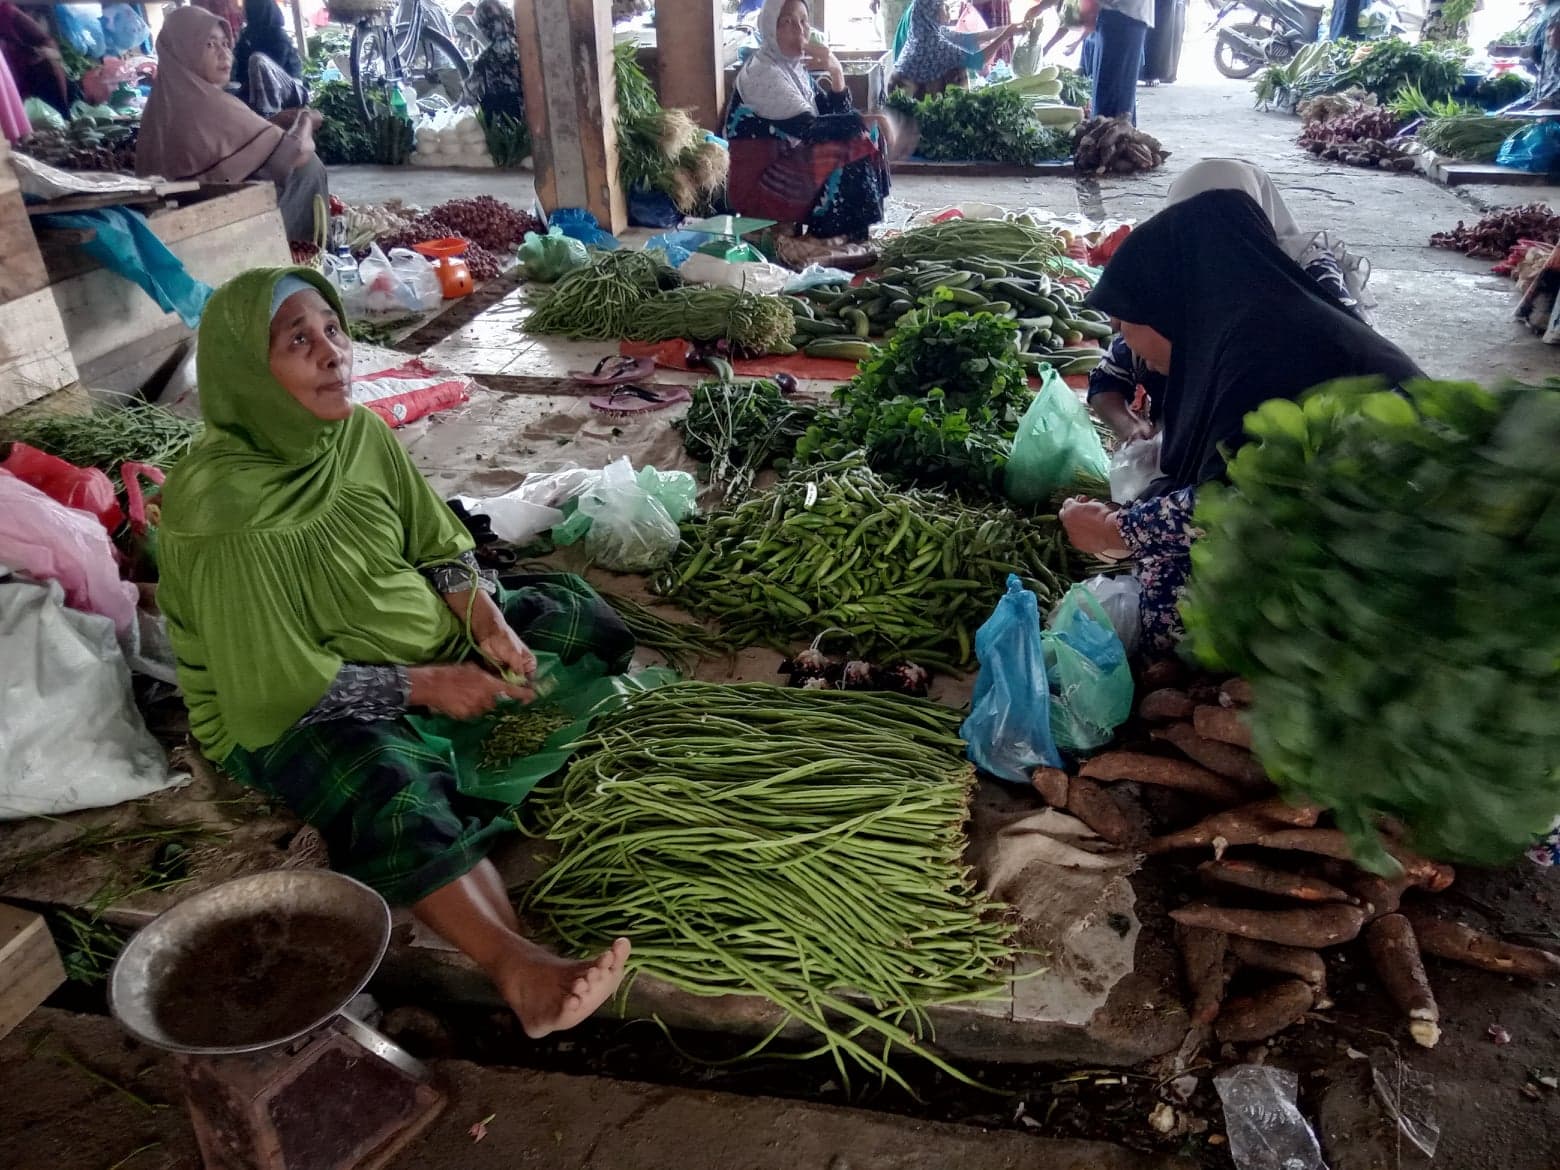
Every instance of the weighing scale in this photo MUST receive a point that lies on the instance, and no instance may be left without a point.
(727, 232)
(245, 983)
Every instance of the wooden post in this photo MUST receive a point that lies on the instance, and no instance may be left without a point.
(303, 41)
(689, 65)
(571, 105)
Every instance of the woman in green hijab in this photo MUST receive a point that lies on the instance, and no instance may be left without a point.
(317, 590)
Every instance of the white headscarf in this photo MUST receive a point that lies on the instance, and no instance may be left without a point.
(771, 84)
(1216, 174)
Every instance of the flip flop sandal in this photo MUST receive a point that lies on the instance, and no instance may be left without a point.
(615, 370)
(627, 400)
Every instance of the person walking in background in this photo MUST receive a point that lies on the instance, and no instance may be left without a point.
(1122, 28)
(495, 75)
(1162, 46)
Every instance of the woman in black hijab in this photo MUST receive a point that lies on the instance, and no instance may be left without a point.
(266, 63)
(1204, 294)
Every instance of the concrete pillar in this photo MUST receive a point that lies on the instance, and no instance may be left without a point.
(688, 49)
(571, 105)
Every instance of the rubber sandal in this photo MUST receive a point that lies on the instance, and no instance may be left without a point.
(615, 370)
(626, 400)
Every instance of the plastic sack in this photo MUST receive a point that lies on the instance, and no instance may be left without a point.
(85, 488)
(677, 491)
(82, 26)
(100, 83)
(816, 276)
(1134, 467)
(62, 664)
(631, 530)
(1009, 726)
(1086, 664)
(123, 28)
(1120, 595)
(549, 257)
(512, 517)
(1266, 1129)
(47, 541)
(582, 226)
(123, 243)
(393, 286)
(1534, 148)
(1056, 445)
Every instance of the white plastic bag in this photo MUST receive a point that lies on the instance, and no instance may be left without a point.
(1119, 596)
(402, 282)
(630, 530)
(65, 667)
(1133, 467)
(416, 272)
(47, 541)
(513, 516)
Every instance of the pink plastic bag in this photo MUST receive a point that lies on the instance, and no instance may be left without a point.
(47, 541)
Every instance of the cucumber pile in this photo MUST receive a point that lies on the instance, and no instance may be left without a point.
(1054, 328)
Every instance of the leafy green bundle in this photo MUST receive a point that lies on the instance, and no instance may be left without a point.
(938, 407)
(993, 124)
(1382, 570)
(344, 139)
(1387, 67)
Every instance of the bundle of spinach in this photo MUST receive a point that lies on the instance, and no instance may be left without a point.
(1381, 569)
(993, 124)
(738, 427)
(939, 406)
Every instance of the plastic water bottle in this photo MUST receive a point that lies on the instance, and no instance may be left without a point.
(346, 269)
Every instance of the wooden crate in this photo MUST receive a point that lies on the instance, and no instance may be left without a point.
(30, 967)
(35, 356)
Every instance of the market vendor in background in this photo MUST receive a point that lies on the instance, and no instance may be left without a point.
(495, 74)
(231, 12)
(317, 591)
(34, 57)
(266, 64)
(1115, 382)
(935, 56)
(1206, 297)
(800, 154)
(1121, 30)
(193, 128)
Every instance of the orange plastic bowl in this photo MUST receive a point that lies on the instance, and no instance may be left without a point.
(447, 248)
(448, 256)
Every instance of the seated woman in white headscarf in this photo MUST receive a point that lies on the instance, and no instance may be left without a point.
(1114, 383)
(800, 154)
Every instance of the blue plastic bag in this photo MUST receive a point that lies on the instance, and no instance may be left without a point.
(582, 225)
(1534, 148)
(123, 243)
(81, 25)
(652, 209)
(1086, 666)
(1009, 727)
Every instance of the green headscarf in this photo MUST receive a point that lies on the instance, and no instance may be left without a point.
(290, 545)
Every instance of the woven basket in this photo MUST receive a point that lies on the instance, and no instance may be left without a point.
(352, 11)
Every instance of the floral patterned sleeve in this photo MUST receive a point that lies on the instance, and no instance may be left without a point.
(1161, 526)
(457, 578)
(363, 693)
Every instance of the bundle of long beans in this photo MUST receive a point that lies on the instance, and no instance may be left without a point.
(597, 301)
(907, 574)
(109, 436)
(682, 644)
(754, 324)
(1012, 240)
(805, 846)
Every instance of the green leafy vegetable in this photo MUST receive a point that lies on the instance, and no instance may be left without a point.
(993, 124)
(344, 139)
(1381, 569)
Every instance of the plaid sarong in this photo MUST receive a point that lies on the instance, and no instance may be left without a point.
(383, 800)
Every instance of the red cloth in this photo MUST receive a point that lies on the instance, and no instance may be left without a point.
(771, 179)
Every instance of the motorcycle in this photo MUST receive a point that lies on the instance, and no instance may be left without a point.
(1282, 29)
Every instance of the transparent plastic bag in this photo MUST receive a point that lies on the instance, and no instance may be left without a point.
(394, 284)
(816, 276)
(631, 531)
(1266, 1129)
(1120, 595)
(47, 541)
(1056, 445)
(1009, 726)
(676, 490)
(416, 272)
(1086, 664)
(1133, 467)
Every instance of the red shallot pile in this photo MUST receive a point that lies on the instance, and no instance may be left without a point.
(483, 263)
(487, 221)
(1494, 236)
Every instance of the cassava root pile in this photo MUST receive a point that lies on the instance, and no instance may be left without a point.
(1291, 889)
(1114, 145)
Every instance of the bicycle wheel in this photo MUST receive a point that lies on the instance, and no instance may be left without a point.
(438, 68)
(371, 58)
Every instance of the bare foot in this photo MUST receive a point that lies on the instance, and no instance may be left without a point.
(551, 994)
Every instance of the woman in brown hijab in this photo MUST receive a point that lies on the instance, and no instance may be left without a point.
(193, 128)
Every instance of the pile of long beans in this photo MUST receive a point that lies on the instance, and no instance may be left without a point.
(804, 846)
(753, 325)
(682, 644)
(109, 436)
(596, 302)
(908, 574)
(1007, 240)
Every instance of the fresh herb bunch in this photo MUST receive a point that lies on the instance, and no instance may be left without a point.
(1474, 137)
(1499, 91)
(508, 140)
(344, 139)
(993, 124)
(738, 427)
(1385, 68)
(1077, 89)
(1411, 102)
(939, 406)
(1381, 569)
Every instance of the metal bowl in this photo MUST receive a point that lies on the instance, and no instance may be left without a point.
(251, 963)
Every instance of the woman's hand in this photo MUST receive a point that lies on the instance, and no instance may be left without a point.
(821, 59)
(1112, 406)
(461, 690)
(497, 641)
(1093, 527)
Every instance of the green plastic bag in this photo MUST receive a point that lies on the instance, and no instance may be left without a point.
(549, 257)
(583, 689)
(1056, 445)
(42, 115)
(1086, 667)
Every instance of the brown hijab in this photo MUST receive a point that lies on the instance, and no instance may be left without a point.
(192, 129)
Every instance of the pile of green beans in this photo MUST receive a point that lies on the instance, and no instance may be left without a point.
(987, 239)
(682, 644)
(804, 846)
(908, 574)
(597, 301)
(521, 733)
(108, 436)
(753, 324)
